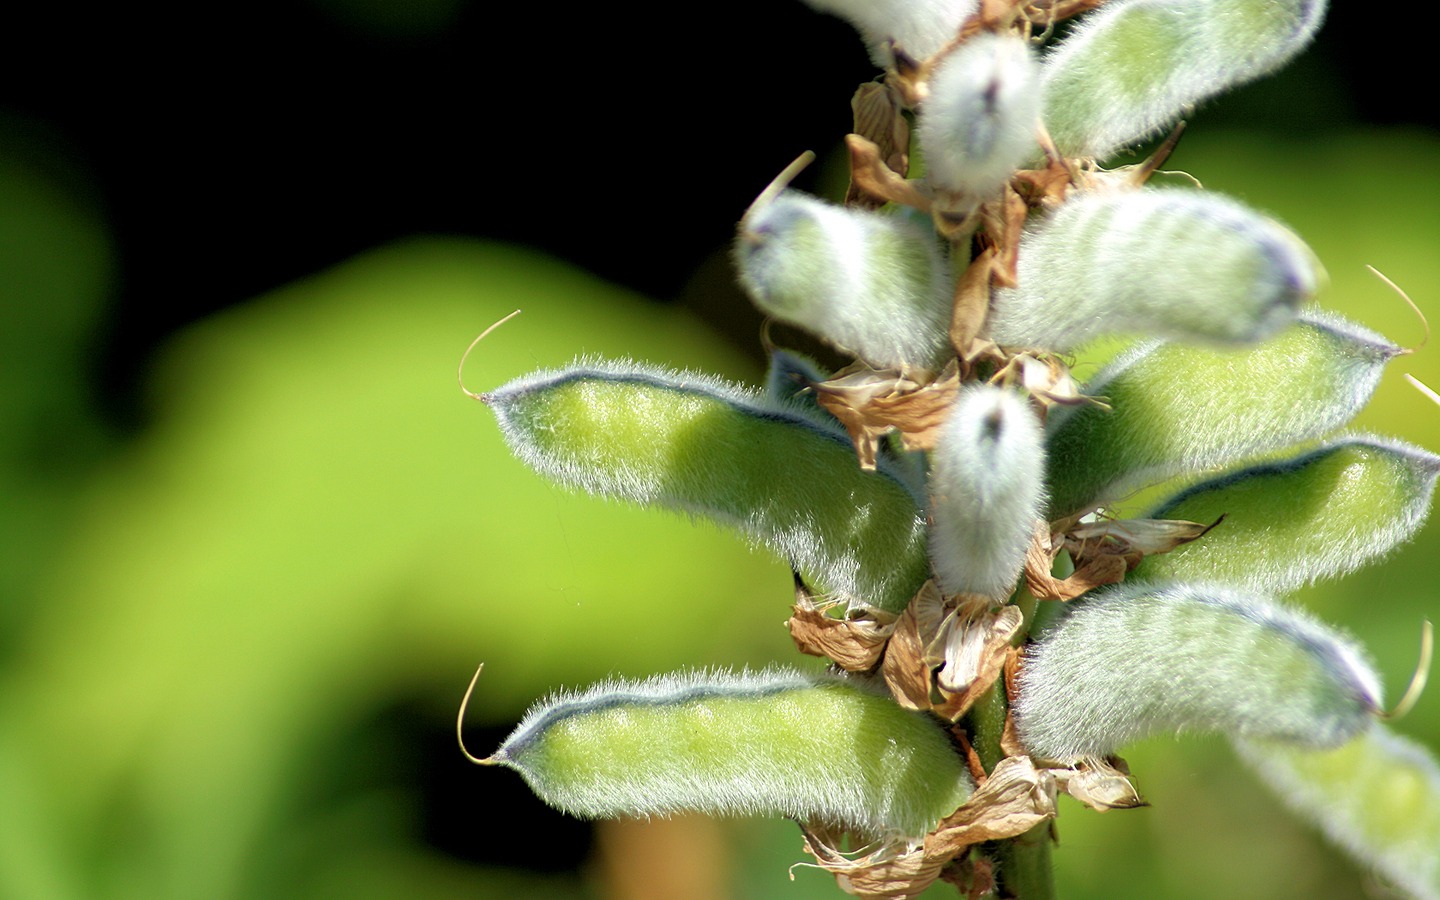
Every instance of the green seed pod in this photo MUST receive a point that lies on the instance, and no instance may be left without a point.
(872, 284)
(1143, 660)
(1131, 69)
(1291, 523)
(693, 443)
(774, 743)
(986, 491)
(1168, 263)
(978, 124)
(1378, 797)
(1178, 408)
(919, 27)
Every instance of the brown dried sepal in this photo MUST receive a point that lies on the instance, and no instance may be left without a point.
(1010, 743)
(1014, 799)
(880, 120)
(888, 872)
(972, 303)
(974, 875)
(1103, 551)
(1132, 539)
(1046, 378)
(972, 650)
(946, 653)
(905, 669)
(871, 178)
(1040, 559)
(1046, 12)
(871, 404)
(855, 644)
(1101, 784)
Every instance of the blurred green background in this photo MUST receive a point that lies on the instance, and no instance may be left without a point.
(256, 540)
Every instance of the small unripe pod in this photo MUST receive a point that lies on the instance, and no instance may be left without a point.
(1168, 263)
(986, 491)
(1142, 660)
(873, 284)
(774, 743)
(978, 124)
(1131, 69)
(920, 27)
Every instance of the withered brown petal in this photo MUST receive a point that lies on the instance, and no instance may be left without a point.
(905, 670)
(984, 644)
(855, 645)
(1016, 797)
(879, 119)
(1099, 785)
(870, 174)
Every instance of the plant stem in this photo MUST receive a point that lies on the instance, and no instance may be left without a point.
(1022, 864)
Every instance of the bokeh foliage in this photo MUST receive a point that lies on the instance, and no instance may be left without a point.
(209, 625)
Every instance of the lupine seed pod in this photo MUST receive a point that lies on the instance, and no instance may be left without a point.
(870, 283)
(986, 491)
(1178, 408)
(1378, 797)
(1169, 263)
(1335, 509)
(978, 124)
(920, 27)
(773, 743)
(1143, 660)
(1131, 69)
(693, 443)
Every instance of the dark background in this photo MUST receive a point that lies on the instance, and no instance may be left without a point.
(235, 149)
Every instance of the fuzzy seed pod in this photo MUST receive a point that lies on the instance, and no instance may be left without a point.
(1378, 797)
(1334, 509)
(690, 442)
(1168, 263)
(1131, 69)
(872, 284)
(1143, 660)
(919, 27)
(1177, 408)
(986, 491)
(978, 124)
(773, 743)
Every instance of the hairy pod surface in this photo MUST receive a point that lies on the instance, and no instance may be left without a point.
(1169, 263)
(1179, 409)
(1146, 659)
(986, 491)
(1378, 797)
(978, 124)
(1331, 510)
(1131, 69)
(774, 743)
(693, 443)
(920, 27)
(873, 284)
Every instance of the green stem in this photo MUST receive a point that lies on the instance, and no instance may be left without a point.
(1022, 864)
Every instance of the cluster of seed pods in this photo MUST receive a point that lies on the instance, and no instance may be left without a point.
(1230, 363)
